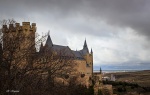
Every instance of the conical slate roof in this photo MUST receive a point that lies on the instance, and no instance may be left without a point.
(85, 44)
(41, 47)
(91, 51)
(85, 49)
(49, 42)
(65, 50)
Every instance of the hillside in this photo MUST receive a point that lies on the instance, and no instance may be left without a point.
(142, 78)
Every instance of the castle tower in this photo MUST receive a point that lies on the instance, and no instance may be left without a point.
(24, 33)
(19, 39)
(88, 57)
(28, 32)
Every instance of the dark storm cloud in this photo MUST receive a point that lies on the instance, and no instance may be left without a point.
(120, 26)
(122, 13)
(126, 13)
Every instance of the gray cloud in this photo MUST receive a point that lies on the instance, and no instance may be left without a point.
(118, 28)
(124, 13)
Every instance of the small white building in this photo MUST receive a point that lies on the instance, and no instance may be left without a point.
(112, 77)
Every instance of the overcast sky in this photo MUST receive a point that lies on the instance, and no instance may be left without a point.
(118, 31)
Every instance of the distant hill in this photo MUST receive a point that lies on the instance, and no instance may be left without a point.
(142, 78)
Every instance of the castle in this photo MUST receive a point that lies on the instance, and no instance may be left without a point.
(13, 33)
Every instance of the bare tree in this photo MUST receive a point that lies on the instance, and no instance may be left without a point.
(24, 69)
(17, 52)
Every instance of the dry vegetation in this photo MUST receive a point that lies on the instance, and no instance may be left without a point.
(142, 78)
(130, 83)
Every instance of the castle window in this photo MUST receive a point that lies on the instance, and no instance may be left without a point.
(87, 65)
(82, 75)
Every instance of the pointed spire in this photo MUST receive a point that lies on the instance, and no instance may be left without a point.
(85, 44)
(85, 48)
(41, 47)
(49, 42)
(48, 32)
(91, 51)
(100, 70)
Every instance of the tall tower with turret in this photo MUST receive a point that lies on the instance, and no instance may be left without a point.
(19, 40)
(88, 56)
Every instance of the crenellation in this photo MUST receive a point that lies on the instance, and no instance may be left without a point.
(26, 26)
(4, 26)
(33, 24)
(11, 26)
(33, 27)
(5, 29)
(17, 24)
(19, 28)
(25, 23)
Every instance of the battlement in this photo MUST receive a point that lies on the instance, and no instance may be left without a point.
(4, 26)
(33, 24)
(17, 26)
(11, 26)
(26, 23)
